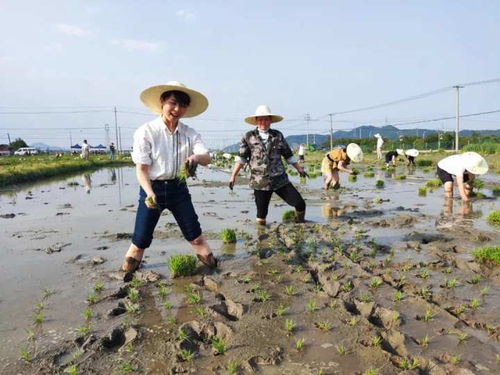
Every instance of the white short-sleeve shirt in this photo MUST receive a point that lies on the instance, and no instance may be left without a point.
(453, 164)
(163, 151)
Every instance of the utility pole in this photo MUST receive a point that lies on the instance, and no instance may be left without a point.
(120, 138)
(457, 129)
(307, 118)
(106, 129)
(70, 140)
(8, 136)
(116, 132)
(331, 131)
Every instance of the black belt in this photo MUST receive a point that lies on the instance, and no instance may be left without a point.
(167, 182)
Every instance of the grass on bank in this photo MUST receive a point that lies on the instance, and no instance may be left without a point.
(489, 254)
(15, 169)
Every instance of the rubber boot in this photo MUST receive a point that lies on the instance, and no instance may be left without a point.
(300, 216)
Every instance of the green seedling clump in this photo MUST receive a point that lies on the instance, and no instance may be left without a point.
(152, 203)
(422, 191)
(288, 216)
(490, 254)
(423, 163)
(228, 235)
(352, 178)
(400, 177)
(182, 265)
(493, 218)
(477, 183)
(379, 183)
(496, 191)
(369, 174)
(433, 183)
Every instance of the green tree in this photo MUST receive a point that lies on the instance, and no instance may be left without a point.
(17, 144)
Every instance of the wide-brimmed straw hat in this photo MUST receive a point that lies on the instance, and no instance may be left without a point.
(400, 151)
(412, 152)
(151, 98)
(354, 152)
(474, 163)
(377, 135)
(263, 110)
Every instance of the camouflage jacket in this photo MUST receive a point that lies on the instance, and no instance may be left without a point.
(266, 167)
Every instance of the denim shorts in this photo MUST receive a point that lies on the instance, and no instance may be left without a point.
(174, 196)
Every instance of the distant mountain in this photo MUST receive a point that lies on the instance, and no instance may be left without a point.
(44, 147)
(365, 131)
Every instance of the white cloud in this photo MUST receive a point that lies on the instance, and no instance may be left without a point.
(71, 30)
(186, 15)
(133, 44)
(55, 47)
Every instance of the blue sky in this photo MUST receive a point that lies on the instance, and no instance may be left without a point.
(299, 57)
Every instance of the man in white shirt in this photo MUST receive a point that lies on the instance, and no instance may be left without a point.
(380, 143)
(162, 148)
(85, 150)
(464, 167)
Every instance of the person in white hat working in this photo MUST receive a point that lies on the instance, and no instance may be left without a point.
(162, 148)
(338, 160)
(411, 154)
(262, 149)
(391, 156)
(464, 167)
(380, 143)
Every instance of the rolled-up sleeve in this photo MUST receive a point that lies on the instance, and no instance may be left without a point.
(198, 145)
(141, 153)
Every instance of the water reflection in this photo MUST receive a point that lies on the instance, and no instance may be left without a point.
(463, 216)
(112, 177)
(228, 249)
(328, 211)
(87, 182)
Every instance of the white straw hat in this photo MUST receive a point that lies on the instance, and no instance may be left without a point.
(474, 163)
(151, 98)
(354, 152)
(400, 151)
(263, 110)
(377, 135)
(412, 152)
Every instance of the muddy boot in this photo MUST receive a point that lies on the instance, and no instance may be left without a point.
(300, 216)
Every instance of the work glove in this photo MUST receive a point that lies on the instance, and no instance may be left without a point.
(231, 184)
(304, 174)
(191, 166)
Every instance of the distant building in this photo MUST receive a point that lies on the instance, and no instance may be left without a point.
(4, 150)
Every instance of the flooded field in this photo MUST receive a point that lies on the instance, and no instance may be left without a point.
(381, 280)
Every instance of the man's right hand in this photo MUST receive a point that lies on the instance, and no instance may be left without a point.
(150, 202)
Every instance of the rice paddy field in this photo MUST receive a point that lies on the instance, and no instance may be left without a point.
(386, 277)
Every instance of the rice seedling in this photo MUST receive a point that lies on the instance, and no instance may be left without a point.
(324, 325)
(433, 184)
(375, 282)
(200, 311)
(77, 354)
(352, 178)
(496, 191)
(168, 305)
(317, 288)
(477, 183)
(193, 298)
(289, 325)
(398, 296)
(474, 304)
(281, 310)
(455, 359)
(136, 283)
(462, 336)
(406, 364)
(428, 316)
(182, 265)
(341, 349)
(290, 290)
(332, 305)
(126, 366)
(422, 191)
(163, 291)
(46, 293)
(38, 318)
(131, 308)
(263, 295)
(312, 306)
(365, 297)
(39, 306)
(488, 255)
(371, 371)
(424, 273)
(288, 216)
(347, 286)
(232, 367)
(369, 174)
(476, 279)
(406, 267)
(186, 355)
(133, 294)
(423, 162)
(379, 184)
(400, 177)
(182, 335)
(91, 298)
(376, 341)
(352, 322)
(425, 292)
(450, 284)
(25, 354)
(71, 370)
(484, 291)
(218, 345)
(377, 200)
(87, 314)
(98, 287)
(83, 331)
(448, 270)
(395, 316)
(228, 235)
(424, 341)
(460, 309)
(30, 333)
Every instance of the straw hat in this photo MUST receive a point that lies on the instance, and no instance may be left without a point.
(354, 152)
(474, 163)
(412, 152)
(377, 135)
(151, 98)
(400, 151)
(263, 110)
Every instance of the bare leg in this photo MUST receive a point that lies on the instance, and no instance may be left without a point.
(133, 258)
(448, 189)
(200, 246)
(328, 180)
(335, 178)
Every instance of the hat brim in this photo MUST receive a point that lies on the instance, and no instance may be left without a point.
(151, 99)
(478, 170)
(413, 153)
(252, 120)
(354, 152)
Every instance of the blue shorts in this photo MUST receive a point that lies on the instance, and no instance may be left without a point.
(174, 196)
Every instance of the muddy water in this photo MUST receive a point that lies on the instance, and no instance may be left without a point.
(61, 226)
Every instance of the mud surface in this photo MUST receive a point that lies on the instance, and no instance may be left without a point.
(380, 279)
